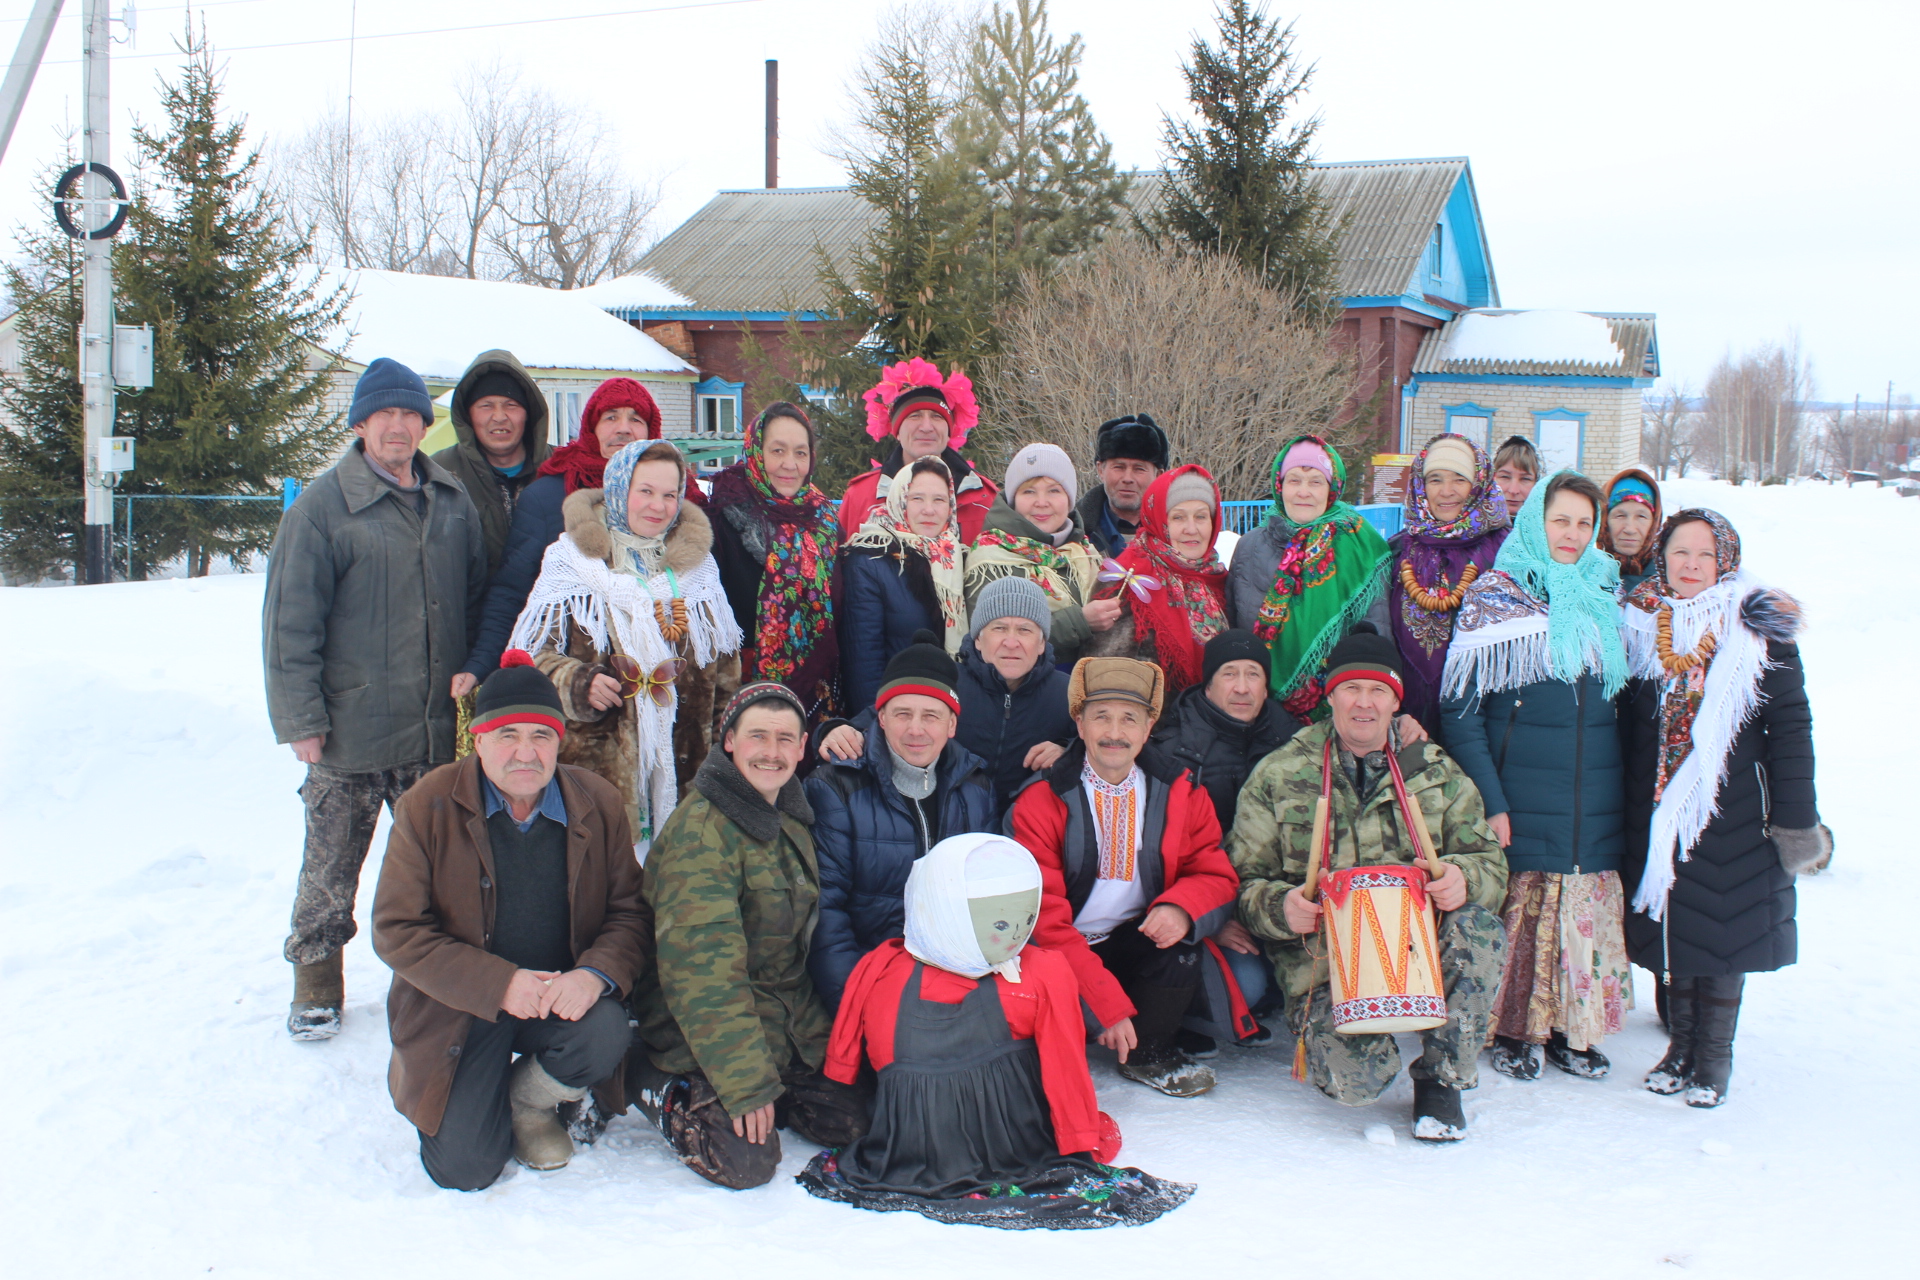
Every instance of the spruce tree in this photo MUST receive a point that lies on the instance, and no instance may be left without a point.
(1028, 135)
(41, 504)
(239, 378)
(1239, 178)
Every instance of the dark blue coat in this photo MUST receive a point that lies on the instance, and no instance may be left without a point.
(1000, 725)
(536, 523)
(1548, 755)
(867, 837)
(883, 602)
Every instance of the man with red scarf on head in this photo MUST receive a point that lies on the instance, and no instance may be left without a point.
(923, 415)
(618, 412)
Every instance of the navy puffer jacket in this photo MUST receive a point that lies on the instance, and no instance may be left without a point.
(868, 836)
(883, 602)
(536, 523)
(1548, 755)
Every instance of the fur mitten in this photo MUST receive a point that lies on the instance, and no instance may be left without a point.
(1803, 849)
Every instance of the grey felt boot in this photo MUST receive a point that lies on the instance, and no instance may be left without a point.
(1671, 1074)
(319, 990)
(540, 1140)
(1719, 1017)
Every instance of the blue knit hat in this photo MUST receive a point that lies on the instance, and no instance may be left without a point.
(388, 384)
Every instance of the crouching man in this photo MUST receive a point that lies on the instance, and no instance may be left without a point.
(509, 909)
(736, 1031)
(1129, 854)
(1269, 846)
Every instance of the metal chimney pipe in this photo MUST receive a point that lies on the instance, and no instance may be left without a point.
(773, 124)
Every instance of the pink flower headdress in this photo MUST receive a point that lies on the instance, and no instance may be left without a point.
(956, 403)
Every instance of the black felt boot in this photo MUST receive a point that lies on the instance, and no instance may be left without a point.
(1671, 1073)
(1437, 1113)
(1588, 1063)
(1156, 1061)
(1719, 1015)
(1516, 1058)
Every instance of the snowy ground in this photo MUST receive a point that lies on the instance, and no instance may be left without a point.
(159, 1123)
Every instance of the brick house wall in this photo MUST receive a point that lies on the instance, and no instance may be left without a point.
(1611, 440)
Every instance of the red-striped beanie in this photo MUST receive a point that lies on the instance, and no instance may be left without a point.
(518, 693)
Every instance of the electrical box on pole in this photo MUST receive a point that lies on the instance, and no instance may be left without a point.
(133, 355)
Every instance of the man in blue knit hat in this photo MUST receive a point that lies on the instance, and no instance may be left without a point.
(374, 587)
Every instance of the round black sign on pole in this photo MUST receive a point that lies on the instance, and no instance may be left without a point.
(63, 196)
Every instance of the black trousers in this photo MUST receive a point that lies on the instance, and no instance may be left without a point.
(1159, 981)
(476, 1132)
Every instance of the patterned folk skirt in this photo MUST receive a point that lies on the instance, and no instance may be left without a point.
(1566, 966)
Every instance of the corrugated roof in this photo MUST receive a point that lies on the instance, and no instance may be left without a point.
(1633, 334)
(753, 250)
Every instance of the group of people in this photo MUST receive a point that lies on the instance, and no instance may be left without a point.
(758, 811)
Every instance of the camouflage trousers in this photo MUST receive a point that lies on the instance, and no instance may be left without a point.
(342, 811)
(1356, 1070)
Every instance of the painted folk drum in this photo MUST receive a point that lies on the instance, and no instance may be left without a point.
(1381, 948)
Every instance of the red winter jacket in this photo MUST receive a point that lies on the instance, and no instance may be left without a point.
(1052, 819)
(975, 497)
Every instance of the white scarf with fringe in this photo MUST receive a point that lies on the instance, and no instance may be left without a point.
(615, 608)
(1730, 697)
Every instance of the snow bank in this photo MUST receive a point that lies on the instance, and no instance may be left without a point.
(161, 1124)
(436, 325)
(1550, 337)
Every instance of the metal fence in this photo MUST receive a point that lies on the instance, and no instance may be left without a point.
(1245, 517)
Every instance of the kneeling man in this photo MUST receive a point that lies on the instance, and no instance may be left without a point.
(737, 1033)
(1129, 854)
(1272, 835)
(509, 909)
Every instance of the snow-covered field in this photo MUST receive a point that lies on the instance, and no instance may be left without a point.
(158, 1122)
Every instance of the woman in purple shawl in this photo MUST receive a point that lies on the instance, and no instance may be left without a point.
(1455, 522)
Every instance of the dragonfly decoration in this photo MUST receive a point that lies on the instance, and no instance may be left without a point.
(636, 681)
(1143, 585)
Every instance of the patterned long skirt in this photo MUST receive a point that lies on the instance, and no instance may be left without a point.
(1566, 967)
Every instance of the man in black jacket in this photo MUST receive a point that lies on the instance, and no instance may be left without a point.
(1218, 730)
(1128, 455)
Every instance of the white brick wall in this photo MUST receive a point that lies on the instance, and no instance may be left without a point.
(1611, 442)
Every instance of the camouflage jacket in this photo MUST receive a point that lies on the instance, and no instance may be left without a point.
(1273, 827)
(734, 889)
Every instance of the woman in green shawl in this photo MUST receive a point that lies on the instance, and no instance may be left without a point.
(1301, 580)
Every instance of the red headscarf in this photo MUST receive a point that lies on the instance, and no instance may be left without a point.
(1189, 607)
(579, 460)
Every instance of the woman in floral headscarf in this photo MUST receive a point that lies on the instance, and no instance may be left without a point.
(1305, 577)
(629, 621)
(1720, 791)
(1527, 709)
(1170, 583)
(901, 573)
(1456, 521)
(777, 548)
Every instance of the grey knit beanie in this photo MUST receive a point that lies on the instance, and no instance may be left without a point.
(1012, 597)
(1191, 487)
(1048, 460)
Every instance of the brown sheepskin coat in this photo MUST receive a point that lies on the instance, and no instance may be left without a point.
(607, 742)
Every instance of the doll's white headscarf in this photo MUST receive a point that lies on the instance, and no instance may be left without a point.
(959, 868)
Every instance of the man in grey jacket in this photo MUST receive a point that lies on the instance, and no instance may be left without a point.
(374, 587)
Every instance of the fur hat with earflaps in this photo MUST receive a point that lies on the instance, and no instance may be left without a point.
(1119, 679)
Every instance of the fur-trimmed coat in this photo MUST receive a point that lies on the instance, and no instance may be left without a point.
(608, 742)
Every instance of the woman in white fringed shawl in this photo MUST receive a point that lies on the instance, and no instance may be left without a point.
(630, 621)
(1721, 806)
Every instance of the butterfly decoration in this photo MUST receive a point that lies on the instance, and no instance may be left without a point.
(1143, 585)
(635, 680)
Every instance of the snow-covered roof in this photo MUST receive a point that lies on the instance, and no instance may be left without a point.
(636, 292)
(1594, 343)
(436, 325)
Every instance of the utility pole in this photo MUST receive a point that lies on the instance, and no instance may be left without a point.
(96, 326)
(773, 124)
(26, 61)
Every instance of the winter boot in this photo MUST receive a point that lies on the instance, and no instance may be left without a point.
(1588, 1063)
(1437, 1113)
(1719, 1015)
(584, 1120)
(318, 992)
(1168, 1070)
(1515, 1058)
(1261, 1038)
(1196, 1045)
(1671, 1073)
(540, 1141)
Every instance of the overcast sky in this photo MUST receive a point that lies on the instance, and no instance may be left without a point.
(1744, 170)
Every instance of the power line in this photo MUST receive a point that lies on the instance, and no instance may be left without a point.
(432, 31)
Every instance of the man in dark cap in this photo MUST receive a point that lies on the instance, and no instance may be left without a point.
(509, 909)
(876, 814)
(499, 418)
(1346, 759)
(1128, 455)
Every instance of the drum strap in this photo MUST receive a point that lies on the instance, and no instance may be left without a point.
(1409, 815)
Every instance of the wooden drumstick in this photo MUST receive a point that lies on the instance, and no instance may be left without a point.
(1311, 889)
(1424, 838)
